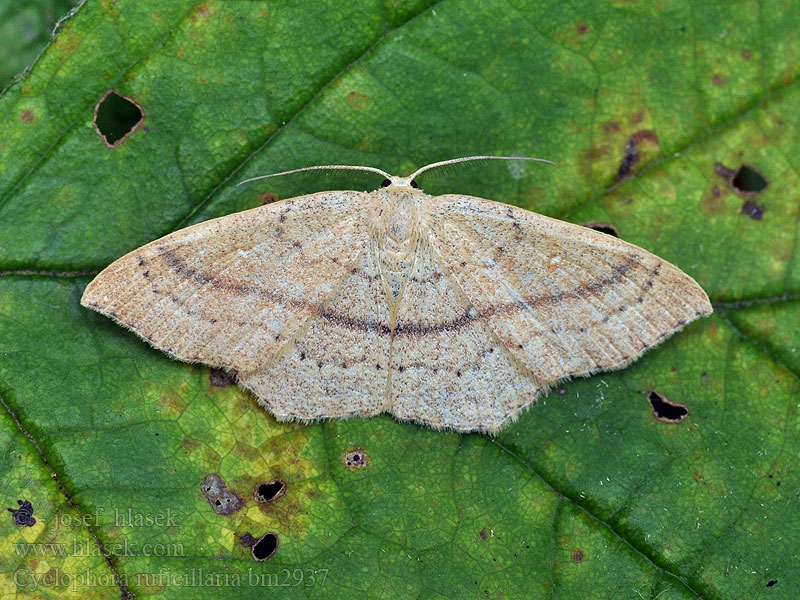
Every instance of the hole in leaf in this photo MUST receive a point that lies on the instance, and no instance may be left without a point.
(772, 582)
(356, 459)
(748, 180)
(265, 547)
(666, 410)
(602, 227)
(269, 491)
(23, 516)
(116, 117)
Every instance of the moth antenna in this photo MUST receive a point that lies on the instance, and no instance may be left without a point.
(317, 168)
(454, 161)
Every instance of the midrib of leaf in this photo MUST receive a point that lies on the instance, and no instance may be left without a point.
(47, 465)
(564, 496)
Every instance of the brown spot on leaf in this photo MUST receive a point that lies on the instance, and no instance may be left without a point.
(27, 116)
(646, 136)
(171, 401)
(582, 28)
(753, 210)
(190, 444)
(356, 459)
(632, 156)
(713, 204)
(666, 410)
(220, 378)
(247, 540)
(265, 547)
(724, 172)
(23, 516)
(268, 198)
(221, 499)
(628, 161)
(603, 227)
(746, 54)
(357, 101)
(116, 118)
(484, 535)
(578, 555)
(718, 79)
(270, 490)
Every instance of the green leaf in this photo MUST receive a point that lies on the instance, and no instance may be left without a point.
(25, 28)
(649, 111)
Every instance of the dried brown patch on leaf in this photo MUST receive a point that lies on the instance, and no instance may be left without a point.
(221, 378)
(666, 410)
(27, 116)
(172, 401)
(713, 202)
(355, 459)
(23, 516)
(190, 444)
(753, 210)
(221, 499)
(632, 151)
(578, 555)
(268, 198)
(724, 172)
(356, 100)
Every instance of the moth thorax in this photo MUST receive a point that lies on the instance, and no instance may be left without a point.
(401, 222)
(398, 251)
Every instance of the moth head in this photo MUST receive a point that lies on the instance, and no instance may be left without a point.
(405, 183)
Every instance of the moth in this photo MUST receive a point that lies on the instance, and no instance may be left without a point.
(451, 311)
